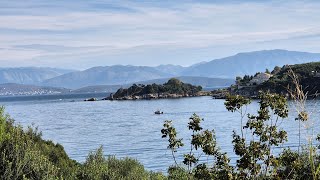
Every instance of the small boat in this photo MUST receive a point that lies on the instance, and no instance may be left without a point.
(158, 112)
(91, 99)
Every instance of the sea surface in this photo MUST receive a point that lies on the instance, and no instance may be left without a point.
(130, 128)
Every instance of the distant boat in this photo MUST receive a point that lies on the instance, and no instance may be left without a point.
(158, 112)
(91, 99)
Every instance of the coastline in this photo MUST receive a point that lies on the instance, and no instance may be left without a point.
(157, 96)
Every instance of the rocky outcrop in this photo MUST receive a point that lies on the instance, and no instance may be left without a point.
(158, 96)
(174, 88)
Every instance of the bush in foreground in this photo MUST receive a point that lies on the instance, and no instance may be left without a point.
(254, 146)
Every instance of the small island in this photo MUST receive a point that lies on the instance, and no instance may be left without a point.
(174, 88)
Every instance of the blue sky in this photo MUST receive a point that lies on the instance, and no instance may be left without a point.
(80, 33)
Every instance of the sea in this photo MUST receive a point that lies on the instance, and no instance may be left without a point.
(132, 129)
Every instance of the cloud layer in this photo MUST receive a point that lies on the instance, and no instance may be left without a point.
(80, 34)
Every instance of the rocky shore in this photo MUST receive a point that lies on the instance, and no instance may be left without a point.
(157, 96)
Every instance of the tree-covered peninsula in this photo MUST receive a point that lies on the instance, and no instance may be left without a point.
(307, 74)
(174, 88)
(280, 80)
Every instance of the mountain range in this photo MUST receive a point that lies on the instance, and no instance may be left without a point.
(108, 75)
(29, 75)
(249, 63)
(226, 68)
(207, 83)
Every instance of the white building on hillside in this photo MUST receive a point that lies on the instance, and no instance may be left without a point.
(260, 78)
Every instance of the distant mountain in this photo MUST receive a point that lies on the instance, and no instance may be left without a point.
(249, 63)
(228, 67)
(100, 89)
(10, 89)
(108, 75)
(29, 75)
(206, 83)
(171, 69)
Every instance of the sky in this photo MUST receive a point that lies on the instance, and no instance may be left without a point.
(79, 34)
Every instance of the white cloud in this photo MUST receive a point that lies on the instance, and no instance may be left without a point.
(86, 33)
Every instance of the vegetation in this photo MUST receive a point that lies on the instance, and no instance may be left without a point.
(173, 86)
(245, 80)
(25, 155)
(308, 74)
(281, 80)
(256, 159)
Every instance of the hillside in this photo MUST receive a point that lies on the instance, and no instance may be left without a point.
(308, 74)
(249, 63)
(29, 75)
(99, 89)
(280, 81)
(108, 75)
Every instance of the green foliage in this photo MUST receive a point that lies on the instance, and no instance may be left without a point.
(177, 172)
(276, 70)
(245, 80)
(256, 159)
(205, 141)
(293, 165)
(235, 102)
(21, 154)
(267, 71)
(266, 133)
(170, 131)
(98, 167)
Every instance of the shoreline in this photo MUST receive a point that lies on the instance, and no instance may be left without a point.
(156, 96)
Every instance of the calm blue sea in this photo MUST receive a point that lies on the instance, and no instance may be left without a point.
(130, 128)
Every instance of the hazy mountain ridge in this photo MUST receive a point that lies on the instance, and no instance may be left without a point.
(250, 63)
(29, 75)
(171, 69)
(228, 67)
(107, 75)
(99, 89)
